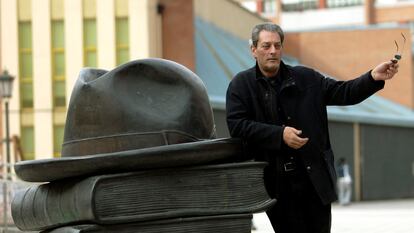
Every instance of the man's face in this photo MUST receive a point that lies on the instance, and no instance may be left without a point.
(268, 52)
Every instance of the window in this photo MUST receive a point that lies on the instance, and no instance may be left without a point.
(58, 132)
(122, 40)
(27, 142)
(25, 39)
(89, 40)
(58, 64)
(26, 65)
(343, 3)
(269, 6)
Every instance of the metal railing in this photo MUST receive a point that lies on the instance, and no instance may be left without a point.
(303, 5)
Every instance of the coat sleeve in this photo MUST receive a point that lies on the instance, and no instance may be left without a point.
(242, 123)
(349, 92)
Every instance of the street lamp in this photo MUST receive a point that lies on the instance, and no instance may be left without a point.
(6, 87)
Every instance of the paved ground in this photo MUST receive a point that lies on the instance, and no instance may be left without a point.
(396, 216)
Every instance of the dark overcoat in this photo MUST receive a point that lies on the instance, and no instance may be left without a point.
(251, 108)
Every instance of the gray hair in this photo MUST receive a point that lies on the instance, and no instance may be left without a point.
(270, 27)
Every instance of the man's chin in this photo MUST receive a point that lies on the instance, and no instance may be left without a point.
(272, 68)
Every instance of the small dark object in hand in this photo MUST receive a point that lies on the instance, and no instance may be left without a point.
(398, 56)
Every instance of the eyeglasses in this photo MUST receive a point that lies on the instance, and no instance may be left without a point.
(398, 55)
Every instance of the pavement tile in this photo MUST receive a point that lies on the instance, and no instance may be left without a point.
(390, 216)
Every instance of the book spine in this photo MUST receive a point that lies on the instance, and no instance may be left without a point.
(53, 204)
(234, 223)
(191, 191)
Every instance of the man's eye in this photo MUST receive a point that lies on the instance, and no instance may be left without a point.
(265, 46)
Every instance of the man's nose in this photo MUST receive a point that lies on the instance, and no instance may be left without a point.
(273, 49)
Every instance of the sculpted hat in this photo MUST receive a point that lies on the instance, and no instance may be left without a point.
(148, 113)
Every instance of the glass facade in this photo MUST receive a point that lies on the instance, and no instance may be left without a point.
(58, 64)
(26, 65)
(89, 42)
(122, 40)
(27, 142)
(301, 5)
(58, 131)
(26, 86)
(28, 111)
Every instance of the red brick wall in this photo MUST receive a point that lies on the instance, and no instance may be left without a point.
(345, 54)
(403, 13)
(178, 32)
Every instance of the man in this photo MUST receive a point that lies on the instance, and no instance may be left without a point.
(344, 182)
(280, 113)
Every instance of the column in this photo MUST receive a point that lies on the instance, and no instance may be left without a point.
(9, 59)
(105, 20)
(357, 162)
(369, 11)
(73, 43)
(42, 84)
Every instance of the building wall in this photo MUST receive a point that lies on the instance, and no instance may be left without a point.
(345, 54)
(227, 14)
(336, 17)
(318, 14)
(387, 170)
(321, 18)
(394, 12)
(343, 145)
(9, 58)
(176, 29)
(221, 124)
(359, 48)
(142, 23)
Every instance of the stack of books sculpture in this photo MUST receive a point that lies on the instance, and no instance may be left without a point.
(140, 155)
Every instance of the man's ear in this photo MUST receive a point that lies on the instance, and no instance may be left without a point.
(253, 51)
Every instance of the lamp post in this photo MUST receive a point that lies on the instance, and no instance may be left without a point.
(6, 87)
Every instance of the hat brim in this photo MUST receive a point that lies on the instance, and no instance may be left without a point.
(184, 154)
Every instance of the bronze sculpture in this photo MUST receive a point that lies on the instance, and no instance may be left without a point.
(145, 126)
(144, 114)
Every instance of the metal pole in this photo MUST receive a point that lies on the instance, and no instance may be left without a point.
(5, 220)
(357, 162)
(8, 164)
(8, 141)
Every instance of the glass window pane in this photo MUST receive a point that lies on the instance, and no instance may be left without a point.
(58, 39)
(26, 92)
(59, 64)
(26, 66)
(122, 31)
(90, 59)
(58, 131)
(25, 35)
(122, 40)
(59, 93)
(27, 142)
(122, 56)
(89, 32)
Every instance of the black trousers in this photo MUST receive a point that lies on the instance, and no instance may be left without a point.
(299, 208)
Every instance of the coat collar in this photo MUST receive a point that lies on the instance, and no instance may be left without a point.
(288, 79)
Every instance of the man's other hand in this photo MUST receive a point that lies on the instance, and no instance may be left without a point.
(291, 137)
